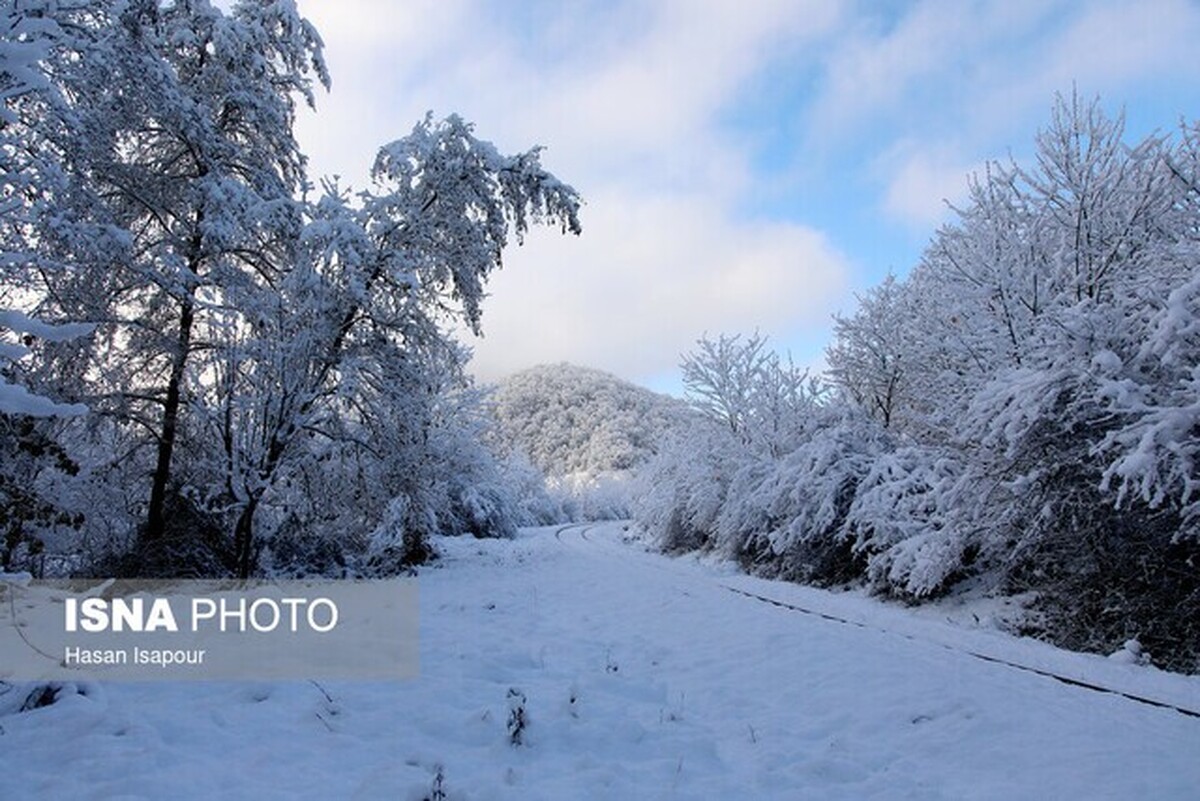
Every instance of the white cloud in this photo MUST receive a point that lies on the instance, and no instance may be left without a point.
(921, 180)
(1127, 51)
(671, 269)
(939, 88)
(626, 97)
(1114, 44)
(632, 99)
(871, 69)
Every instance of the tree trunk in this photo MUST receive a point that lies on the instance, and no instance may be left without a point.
(243, 538)
(155, 516)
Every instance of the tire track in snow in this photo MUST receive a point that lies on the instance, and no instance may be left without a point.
(585, 527)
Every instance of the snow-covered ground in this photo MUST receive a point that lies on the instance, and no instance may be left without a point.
(642, 678)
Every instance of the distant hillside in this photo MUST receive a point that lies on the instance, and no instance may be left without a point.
(570, 420)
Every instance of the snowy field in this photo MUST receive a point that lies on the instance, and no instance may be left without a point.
(642, 678)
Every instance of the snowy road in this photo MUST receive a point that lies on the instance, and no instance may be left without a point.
(643, 678)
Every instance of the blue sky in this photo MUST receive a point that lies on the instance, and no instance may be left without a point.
(747, 164)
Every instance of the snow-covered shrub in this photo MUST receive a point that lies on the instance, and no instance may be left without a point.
(1154, 457)
(456, 484)
(679, 494)
(193, 546)
(296, 551)
(600, 496)
(16, 698)
(769, 471)
(533, 502)
(437, 790)
(35, 465)
(1045, 520)
(33, 505)
(897, 521)
(481, 510)
(518, 717)
(1112, 576)
(703, 489)
(401, 539)
(789, 518)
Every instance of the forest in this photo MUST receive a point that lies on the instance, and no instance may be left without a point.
(213, 366)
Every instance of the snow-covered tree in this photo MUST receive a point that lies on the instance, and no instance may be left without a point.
(249, 351)
(867, 358)
(353, 351)
(1036, 378)
(679, 494)
(189, 171)
(708, 488)
(1053, 334)
(1154, 385)
(761, 396)
(31, 503)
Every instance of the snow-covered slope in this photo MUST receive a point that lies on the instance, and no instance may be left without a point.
(577, 420)
(637, 677)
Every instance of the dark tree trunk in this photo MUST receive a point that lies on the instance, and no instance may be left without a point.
(155, 516)
(243, 538)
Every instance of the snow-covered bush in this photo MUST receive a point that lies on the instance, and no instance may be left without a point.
(295, 551)
(454, 484)
(898, 521)
(767, 474)
(33, 503)
(1103, 572)
(1154, 458)
(679, 494)
(586, 496)
(788, 516)
(402, 537)
(534, 503)
(704, 487)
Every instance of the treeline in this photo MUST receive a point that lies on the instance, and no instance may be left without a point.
(1021, 413)
(208, 365)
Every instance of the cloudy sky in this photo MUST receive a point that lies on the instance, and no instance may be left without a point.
(746, 164)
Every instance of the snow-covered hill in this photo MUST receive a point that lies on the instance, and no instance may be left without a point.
(628, 675)
(576, 420)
